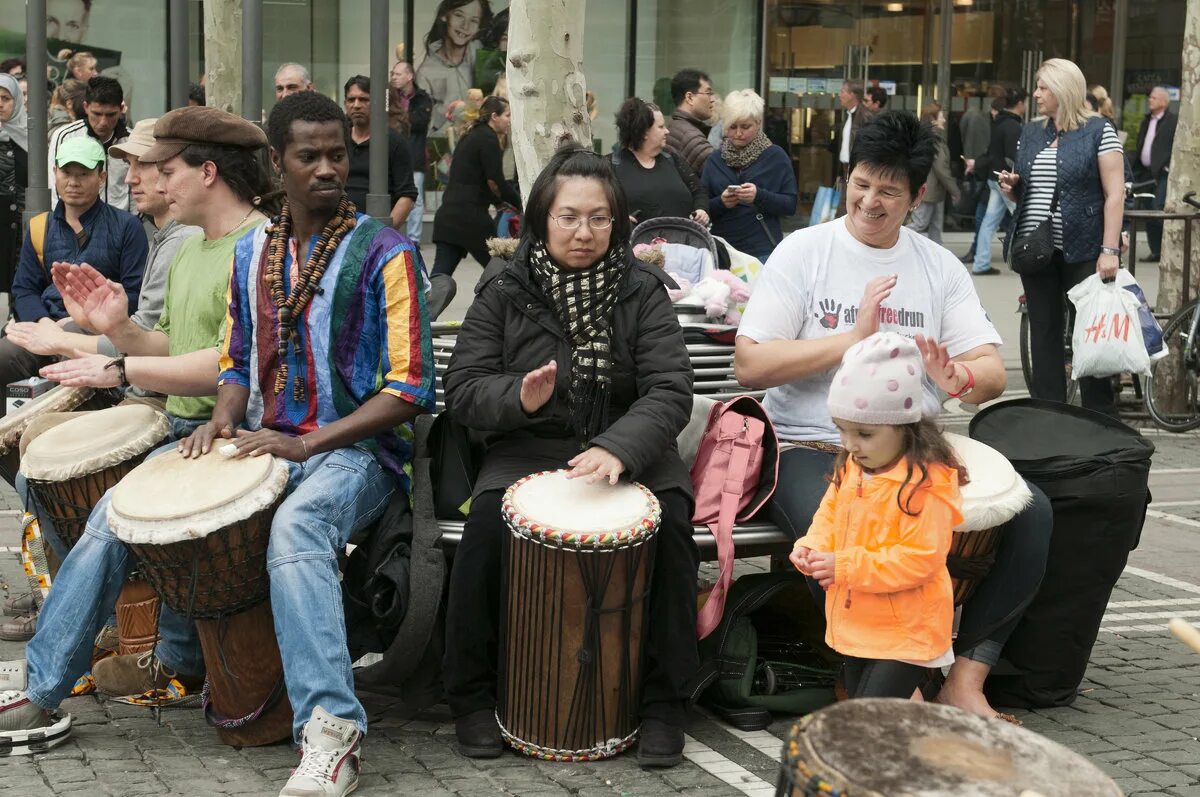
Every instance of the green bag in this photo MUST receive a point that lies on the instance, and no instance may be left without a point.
(767, 655)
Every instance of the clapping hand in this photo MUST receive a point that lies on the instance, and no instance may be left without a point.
(36, 337)
(876, 291)
(537, 387)
(86, 370)
(101, 303)
(944, 372)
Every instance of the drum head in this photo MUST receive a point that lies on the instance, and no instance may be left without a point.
(898, 747)
(995, 493)
(554, 509)
(56, 399)
(93, 442)
(168, 498)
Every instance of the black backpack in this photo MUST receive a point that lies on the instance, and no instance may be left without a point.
(767, 654)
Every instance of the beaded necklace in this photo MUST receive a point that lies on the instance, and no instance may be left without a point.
(291, 305)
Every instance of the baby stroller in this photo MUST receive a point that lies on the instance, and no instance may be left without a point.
(681, 237)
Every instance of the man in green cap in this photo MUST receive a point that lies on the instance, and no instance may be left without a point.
(80, 229)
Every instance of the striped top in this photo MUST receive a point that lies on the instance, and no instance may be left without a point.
(1040, 193)
(366, 331)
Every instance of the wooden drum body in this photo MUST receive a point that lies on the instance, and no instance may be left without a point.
(993, 496)
(56, 400)
(72, 465)
(577, 580)
(899, 748)
(199, 529)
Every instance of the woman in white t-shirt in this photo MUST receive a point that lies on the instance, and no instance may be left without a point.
(827, 287)
(1070, 167)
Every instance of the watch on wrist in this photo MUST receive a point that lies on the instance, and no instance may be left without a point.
(1110, 250)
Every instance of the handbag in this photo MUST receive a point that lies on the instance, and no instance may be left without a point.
(1033, 251)
(455, 462)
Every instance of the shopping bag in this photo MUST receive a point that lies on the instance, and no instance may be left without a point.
(1107, 338)
(825, 205)
(1151, 331)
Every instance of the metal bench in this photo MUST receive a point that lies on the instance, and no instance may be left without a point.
(713, 367)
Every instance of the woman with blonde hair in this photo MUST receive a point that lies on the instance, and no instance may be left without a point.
(82, 66)
(749, 180)
(1070, 168)
(1102, 104)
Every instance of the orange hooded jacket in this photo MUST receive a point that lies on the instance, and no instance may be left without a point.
(891, 596)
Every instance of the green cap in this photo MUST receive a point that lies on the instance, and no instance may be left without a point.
(83, 150)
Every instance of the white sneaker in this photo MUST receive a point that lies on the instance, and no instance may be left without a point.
(26, 728)
(328, 758)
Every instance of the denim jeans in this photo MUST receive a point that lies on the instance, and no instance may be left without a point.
(330, 497)
(997, 204)
(416, 217)
(82, 599)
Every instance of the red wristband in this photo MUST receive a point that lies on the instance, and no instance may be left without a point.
(968, 386)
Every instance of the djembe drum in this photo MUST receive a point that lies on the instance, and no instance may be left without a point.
(578, 570)
(899, 748)
(69, 467)
(199, 529)
(992, 497)
(57, 399)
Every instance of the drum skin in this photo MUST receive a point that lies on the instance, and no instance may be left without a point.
(572, 631)
(58, 399)
(900, 748)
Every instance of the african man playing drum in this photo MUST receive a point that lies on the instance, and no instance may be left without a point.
(334, 401)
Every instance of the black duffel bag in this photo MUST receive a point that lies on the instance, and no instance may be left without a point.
(1095, 471)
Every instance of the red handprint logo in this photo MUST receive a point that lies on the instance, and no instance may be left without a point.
(830, 313)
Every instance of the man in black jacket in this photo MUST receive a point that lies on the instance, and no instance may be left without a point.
(402, 192)
(1000, 156)
(1152, 160)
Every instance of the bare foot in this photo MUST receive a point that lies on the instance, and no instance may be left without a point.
(963, 688)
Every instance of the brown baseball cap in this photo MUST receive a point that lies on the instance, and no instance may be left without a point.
(140, 140)
(179, 128)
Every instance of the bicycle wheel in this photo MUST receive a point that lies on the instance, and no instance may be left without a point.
(1027, 356)
(1176, 407)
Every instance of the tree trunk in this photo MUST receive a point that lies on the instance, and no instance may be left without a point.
(545, 82)
(223, 54)
(1184, 177)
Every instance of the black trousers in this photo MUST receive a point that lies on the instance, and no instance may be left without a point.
(447, 257)
(1049, 308)
(473, 646)
(999, 599)
(880, 678)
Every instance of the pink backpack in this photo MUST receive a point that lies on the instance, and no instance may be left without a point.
(734, 474)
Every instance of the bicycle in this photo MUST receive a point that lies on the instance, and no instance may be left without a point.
(1174, 404)
(1137, 195)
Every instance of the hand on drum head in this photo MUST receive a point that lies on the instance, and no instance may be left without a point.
(86, 370)
(201, 440)
(269, 441)
(100, 303)
(821, 568)
(537, 387)
(36, 337)
(596, 463)
(799, 558)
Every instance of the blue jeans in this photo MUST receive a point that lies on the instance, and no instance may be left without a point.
(82, 599)
(415, 218)
(997, 204)
(330, 497)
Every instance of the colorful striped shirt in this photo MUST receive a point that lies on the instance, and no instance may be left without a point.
(366, 331)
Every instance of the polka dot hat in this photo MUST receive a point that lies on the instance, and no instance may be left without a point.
(879, 382)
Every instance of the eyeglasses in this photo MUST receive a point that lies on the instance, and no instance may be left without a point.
(568, 222)
(709, 93)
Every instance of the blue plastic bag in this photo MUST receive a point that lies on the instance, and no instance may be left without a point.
(825, 205)
(1151, 331)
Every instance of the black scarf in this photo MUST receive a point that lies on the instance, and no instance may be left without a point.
(583, 301)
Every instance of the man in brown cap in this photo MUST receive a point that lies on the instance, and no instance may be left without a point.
(210, 175)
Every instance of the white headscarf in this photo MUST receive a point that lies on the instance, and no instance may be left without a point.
(16, 129)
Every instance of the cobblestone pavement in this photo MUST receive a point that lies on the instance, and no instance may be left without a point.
(1137, 715)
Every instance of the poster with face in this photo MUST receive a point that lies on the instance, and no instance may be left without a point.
(462, 36)
(125, 36)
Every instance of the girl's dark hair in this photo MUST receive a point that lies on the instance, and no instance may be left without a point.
(572, 160)
(634, 119)
(243, 170)
(439, 28)
(924, 445)
(896, 145)
(492, 106)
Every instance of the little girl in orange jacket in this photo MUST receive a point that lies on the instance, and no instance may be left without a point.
(878, 542)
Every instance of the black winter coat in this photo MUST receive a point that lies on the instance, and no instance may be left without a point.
(510, 329)
(463, 218)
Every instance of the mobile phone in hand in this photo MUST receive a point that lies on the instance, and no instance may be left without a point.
(732, 189)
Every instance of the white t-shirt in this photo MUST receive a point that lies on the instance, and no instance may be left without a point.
(811, 286)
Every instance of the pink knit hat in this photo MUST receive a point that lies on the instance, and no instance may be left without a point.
(879, 382)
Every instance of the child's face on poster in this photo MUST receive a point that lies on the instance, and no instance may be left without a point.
(462, 24)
